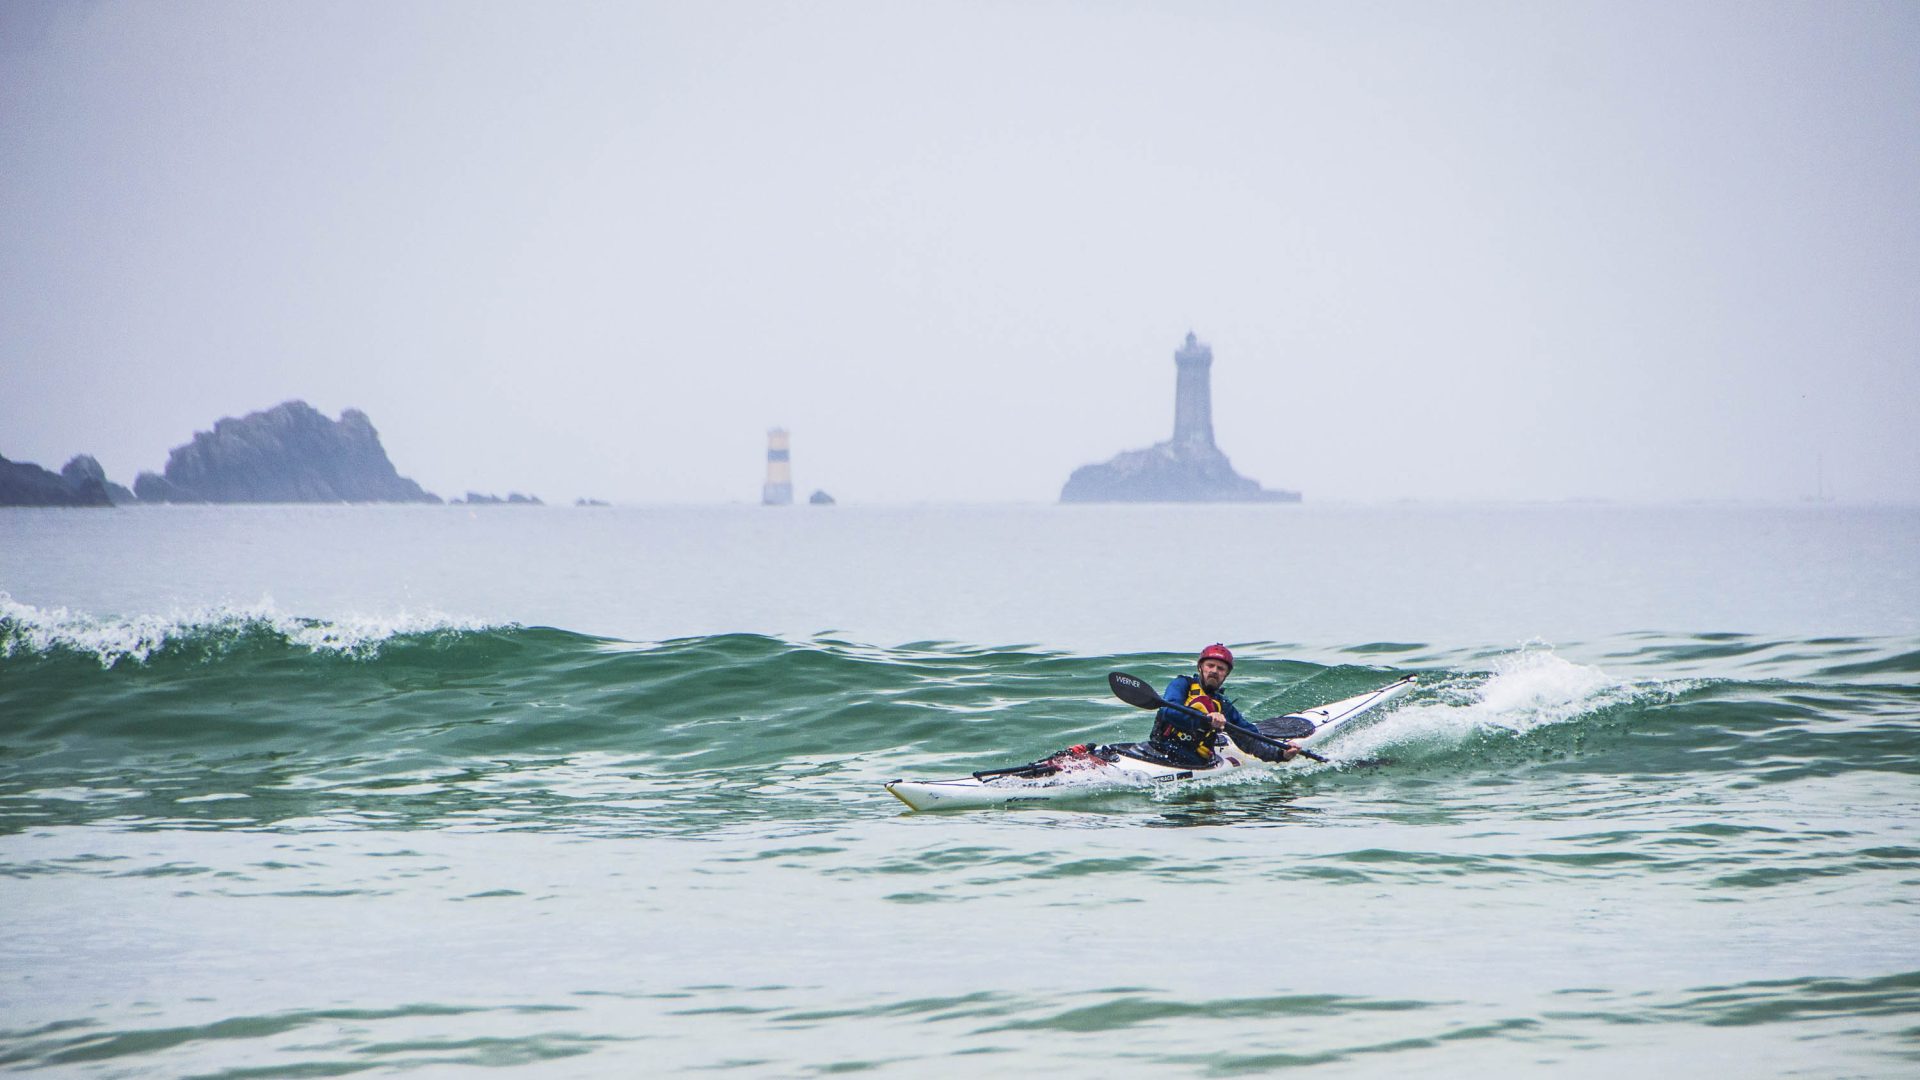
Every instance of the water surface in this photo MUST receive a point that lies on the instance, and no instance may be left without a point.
(292, 791)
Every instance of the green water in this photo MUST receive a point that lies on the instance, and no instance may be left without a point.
(242, 841)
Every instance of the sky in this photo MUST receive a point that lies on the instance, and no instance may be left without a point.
(1475, 251)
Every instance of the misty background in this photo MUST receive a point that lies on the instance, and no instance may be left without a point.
(1489, 251)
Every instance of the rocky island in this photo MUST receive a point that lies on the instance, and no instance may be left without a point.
(80, 483)
(1185, 468)
(289, 453)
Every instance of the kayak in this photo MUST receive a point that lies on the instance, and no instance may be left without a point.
(1083, 770)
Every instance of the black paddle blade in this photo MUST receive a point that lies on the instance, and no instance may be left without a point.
(1284, 727)
(1134, 691)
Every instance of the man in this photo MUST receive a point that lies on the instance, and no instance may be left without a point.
(1186, 740)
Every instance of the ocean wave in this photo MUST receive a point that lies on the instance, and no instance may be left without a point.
(26, 630)
(1521, 693)
(425, 716)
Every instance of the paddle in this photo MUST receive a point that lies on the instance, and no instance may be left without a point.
(1137, 693)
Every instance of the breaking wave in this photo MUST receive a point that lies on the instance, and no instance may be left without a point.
(257, 716)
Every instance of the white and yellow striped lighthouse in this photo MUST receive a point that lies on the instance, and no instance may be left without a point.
(778, 490)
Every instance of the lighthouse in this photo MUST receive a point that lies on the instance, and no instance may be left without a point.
(778, 490)
(1186, 468)
(1193, 395)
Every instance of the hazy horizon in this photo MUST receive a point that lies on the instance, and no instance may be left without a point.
(1489, 253)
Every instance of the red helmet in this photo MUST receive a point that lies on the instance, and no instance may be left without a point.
(1217, 651)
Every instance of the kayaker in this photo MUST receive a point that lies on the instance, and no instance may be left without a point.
(1186, 739)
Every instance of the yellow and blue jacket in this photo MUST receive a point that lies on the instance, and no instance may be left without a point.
(1184, 735)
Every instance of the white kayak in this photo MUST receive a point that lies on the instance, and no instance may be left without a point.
(1081, 771)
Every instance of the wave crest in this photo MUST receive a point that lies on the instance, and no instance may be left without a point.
(26, 630)
(1524, 691)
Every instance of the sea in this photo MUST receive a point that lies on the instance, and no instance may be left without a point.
(307, 791)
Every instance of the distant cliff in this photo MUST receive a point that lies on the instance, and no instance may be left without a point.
(26, 484)
(1185, 468)
(289, 453)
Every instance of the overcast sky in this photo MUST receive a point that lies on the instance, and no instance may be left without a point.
(1510, 251)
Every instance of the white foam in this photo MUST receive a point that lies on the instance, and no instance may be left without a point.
(1525, 690)
(361, 634)
(112, 639)
(1535, 687)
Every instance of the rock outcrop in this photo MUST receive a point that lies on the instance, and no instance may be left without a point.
(1185, 468)
(23, 483)
(1167, 472)
(514, 498)
(84, 472)
(289, 453)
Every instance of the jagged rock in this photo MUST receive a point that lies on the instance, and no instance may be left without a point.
(591, 502)
(514, 498)
(85, 471)
(23, 483)
(1185, 468)
(820, 498)
(152, 487)
(289, 453)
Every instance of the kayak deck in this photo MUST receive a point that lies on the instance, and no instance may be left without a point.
(1085, 770)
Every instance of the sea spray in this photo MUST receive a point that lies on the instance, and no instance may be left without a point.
(1520, 692)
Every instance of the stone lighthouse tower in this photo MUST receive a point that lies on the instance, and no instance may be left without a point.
(778, 490)
(1186, 468)
(1193, 396)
